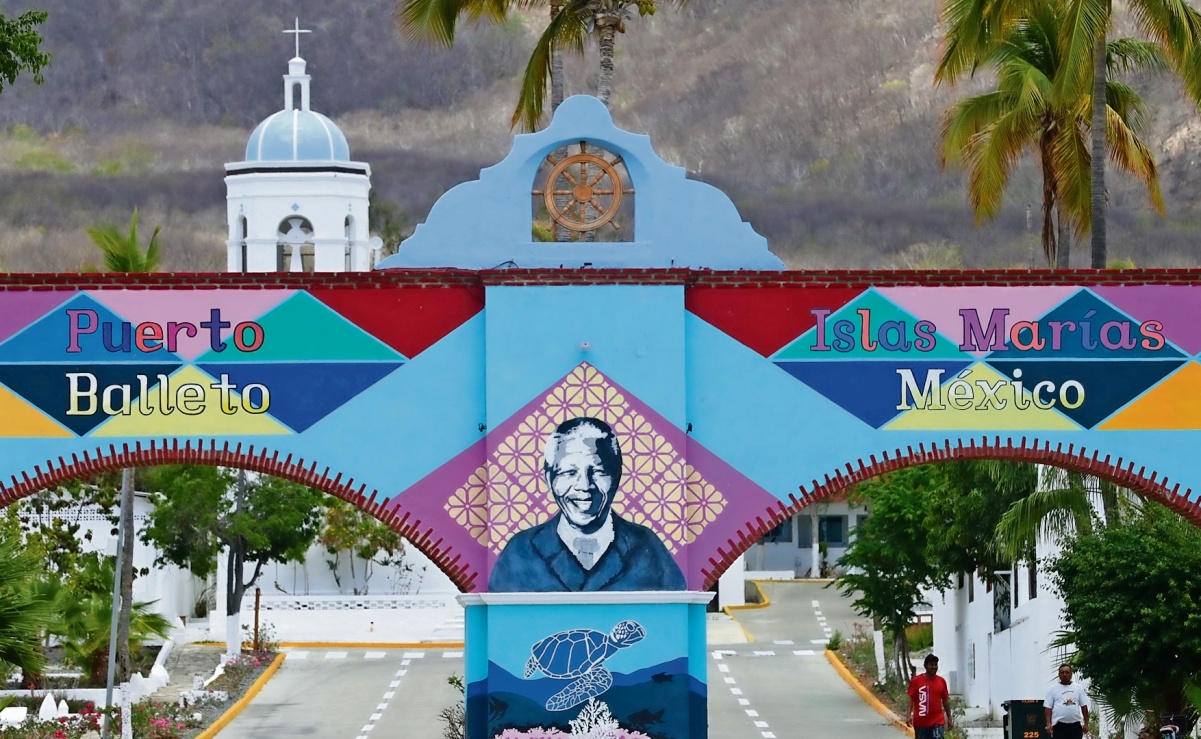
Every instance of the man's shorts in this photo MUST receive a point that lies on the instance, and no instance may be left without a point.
(929, 732)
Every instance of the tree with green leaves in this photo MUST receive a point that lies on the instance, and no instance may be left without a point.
(1132, 611)
(988, 133)
(346, 529)
(572, 22)
(21, 47)
(888, 565)
(965, 508)
(201, 510)
(974, 28)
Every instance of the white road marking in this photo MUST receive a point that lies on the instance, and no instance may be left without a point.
(452, 655)
(392, 686)
(335, 655)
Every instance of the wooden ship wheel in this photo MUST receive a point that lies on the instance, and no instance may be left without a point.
(583, 191)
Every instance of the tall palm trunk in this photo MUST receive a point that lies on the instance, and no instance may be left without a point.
(1063, 243)
(1050, 201)
(606, 28)
(1098, 151)
(124, 666)
(556, 64)
(562, 233)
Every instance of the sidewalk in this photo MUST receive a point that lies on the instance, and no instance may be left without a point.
(185, 663)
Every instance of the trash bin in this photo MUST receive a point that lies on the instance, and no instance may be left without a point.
(1024, 719)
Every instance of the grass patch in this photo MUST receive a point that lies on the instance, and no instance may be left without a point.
(43, 160)
(921, 636)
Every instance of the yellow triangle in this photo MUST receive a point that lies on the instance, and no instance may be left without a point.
(211, 420)
(1174, 403)
(982, 416)
(20, 419)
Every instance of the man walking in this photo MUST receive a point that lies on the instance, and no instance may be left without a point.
(929, 702)
(1066, 707)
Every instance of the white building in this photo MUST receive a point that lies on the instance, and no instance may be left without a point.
(298, 203)
(994, 643)
(820, 533)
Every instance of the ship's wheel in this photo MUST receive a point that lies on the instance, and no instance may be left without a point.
(583, 191)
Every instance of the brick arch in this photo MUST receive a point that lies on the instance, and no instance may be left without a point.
(248, 457)
(1146, 483)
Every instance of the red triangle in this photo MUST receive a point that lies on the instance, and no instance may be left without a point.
(765, 318)
(408, 319)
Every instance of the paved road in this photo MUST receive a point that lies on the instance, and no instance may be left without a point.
(344, 694)
(779, 686)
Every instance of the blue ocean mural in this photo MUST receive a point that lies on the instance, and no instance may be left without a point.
(623, 672)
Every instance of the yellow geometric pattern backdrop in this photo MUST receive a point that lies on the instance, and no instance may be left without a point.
(658, 489)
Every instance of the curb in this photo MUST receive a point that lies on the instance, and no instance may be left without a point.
(866, 694)
(232, 712)
(748, 607)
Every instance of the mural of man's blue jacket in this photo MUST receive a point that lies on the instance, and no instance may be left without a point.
(537, 560)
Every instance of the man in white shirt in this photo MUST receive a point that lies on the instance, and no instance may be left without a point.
(1066, 707)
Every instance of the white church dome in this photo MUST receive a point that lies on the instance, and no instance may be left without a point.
(297, 135)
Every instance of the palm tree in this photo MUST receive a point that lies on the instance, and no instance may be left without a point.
(571, 23)
(124, 253)
(989, 132)
(83, 624)
(1065, 505)
(975, 27)
(24, 613)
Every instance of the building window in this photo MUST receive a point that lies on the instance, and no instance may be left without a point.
(832, 530)
(1032, 583)
(1002, 608)
(971, 587)
(781, 533)
(244, 228)
(295, 248)
(859, 521)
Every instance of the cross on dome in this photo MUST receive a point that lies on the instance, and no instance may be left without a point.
(297, 30)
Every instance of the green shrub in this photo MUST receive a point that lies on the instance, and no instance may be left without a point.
(43, 160)
(921, 636)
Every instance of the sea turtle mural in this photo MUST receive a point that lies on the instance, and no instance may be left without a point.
(580, 654)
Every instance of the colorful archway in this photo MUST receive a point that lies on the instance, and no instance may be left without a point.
(621, 430)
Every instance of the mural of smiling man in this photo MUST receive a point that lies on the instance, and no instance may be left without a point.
(585, 546)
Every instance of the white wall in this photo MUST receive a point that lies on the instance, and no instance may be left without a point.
(987, 667)
(789, 555)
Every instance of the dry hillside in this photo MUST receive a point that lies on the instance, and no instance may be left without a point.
(819, 118)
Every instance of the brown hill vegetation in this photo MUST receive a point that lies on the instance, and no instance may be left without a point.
(819, 119)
